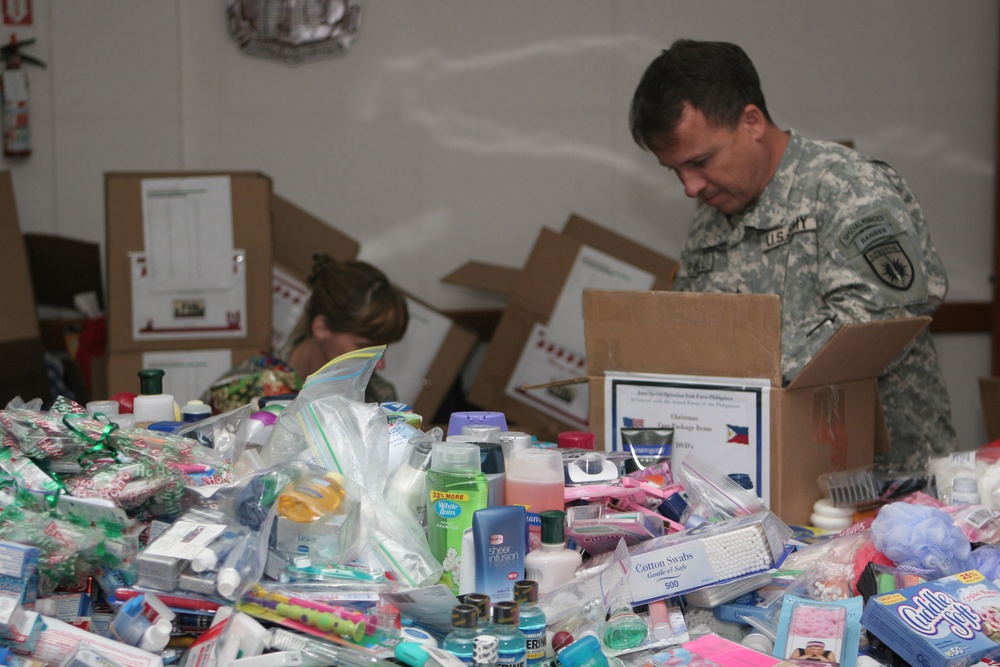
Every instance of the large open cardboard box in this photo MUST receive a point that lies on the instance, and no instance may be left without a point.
(532, 300)
(21, 351)
(739, 336)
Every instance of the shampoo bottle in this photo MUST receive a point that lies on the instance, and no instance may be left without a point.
(552, 564)
(313, 499)
(456, 488)
(152, 405)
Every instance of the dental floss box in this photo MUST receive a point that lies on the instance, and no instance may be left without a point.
(947, 622)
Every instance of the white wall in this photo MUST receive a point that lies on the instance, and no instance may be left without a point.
(455, 130)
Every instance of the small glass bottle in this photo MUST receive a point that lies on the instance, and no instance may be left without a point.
(532, 622)
(312, 499)
(513, 644)
(464, 623)
(481, 601)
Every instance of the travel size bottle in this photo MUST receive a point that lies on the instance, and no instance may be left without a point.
(513, 645)
(536, 480)
(552, 564)
(532, 622)
(456, 488)
(313, 499)
(464, 623)
(151, 404)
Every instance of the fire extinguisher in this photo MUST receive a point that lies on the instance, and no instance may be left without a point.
(14, 90)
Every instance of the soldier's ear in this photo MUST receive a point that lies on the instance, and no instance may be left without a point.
(753, 120)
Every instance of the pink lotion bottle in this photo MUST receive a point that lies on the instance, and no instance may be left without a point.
(536, 480)
(552, 564)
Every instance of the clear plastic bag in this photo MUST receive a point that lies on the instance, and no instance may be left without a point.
(712, 494)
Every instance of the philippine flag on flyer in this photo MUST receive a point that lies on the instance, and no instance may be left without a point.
(727, 420)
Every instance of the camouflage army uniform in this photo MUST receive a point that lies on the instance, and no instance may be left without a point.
(840, 237)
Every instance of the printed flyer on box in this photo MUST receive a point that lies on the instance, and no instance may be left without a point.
(727, 420)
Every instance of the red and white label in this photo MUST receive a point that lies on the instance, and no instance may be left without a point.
(17, 12)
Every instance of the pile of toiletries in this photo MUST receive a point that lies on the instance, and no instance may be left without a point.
(316, 529)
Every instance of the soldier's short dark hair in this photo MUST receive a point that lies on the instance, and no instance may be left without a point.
(716, 78)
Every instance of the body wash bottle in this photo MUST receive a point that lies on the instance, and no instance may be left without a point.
(152, 405)
(456, 488)
(552, 564)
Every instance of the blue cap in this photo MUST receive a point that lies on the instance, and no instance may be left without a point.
(411, 653)
(584, 652)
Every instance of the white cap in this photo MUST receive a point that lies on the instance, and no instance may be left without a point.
(205, 560)
(156, 636)
(227, 581)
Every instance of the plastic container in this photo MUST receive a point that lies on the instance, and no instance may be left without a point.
(464, 624)
(313, 499)
(456, 488)
(576, 440)
(552, 564)
(152, 405)
(965, 491)
(195, 410)
(405, 490)
(458, 420)
(512, 645)
(532, 622)
(491, 463)
(536, 480)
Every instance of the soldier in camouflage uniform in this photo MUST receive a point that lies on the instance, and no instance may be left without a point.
(836, 234)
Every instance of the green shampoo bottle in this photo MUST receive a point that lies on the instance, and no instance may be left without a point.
(456, 488)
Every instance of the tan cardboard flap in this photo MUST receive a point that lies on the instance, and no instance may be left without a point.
(624, 330)
(484, 276)
(858, 351)
(605, 240)
(298, 235)
(19, 319)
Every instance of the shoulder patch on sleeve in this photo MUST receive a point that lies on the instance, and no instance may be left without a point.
(869, 230)
(891, 264)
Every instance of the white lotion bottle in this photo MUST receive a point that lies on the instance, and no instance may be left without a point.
(552, 564)
(152, 405)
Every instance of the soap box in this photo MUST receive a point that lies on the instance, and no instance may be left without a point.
(948, 622)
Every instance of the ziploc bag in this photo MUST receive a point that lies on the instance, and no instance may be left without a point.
(712, 494)
(293, 435)
(341, 433)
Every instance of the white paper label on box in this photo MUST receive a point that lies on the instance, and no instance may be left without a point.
(543, 361)
(188, 372)
(726, 420)
(184, 540)
(187, 224)
(208, 312)
(288, 299)
(408, 361)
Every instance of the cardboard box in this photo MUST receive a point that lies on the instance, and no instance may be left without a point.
(120, 370)
(21, 351)
(989, 399)
(534, 297)
(739, 336)
(298, 235)
(62, 267)
(251, 202)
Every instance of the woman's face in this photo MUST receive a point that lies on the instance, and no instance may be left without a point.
(336, 343)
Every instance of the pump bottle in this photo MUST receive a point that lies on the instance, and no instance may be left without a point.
(552, 564)
(152, 405)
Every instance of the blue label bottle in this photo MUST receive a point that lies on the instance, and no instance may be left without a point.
(513, 645)
(532, 622)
